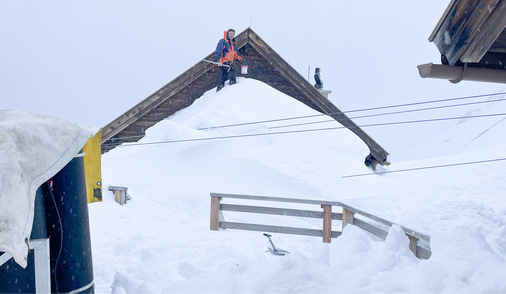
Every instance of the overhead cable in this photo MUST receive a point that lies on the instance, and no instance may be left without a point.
(389, 113)
(357, 110)
(309, 130)
(425, 167)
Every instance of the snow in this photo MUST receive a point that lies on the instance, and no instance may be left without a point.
(33, 148)
(160, 242)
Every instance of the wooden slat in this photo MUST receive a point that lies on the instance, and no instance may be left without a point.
(275, 199)
(371, 228)
(277, 211)
(388, 223)
(276, 229)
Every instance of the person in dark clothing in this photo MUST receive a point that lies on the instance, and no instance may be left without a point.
(226, 54)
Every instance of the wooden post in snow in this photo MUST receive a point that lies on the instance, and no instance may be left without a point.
(215, 212)
(413, 243)
(327, 223)
(348, 217)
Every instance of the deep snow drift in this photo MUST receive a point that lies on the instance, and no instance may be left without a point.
(160, 242)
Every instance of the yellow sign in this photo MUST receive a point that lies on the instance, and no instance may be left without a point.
(92, 168)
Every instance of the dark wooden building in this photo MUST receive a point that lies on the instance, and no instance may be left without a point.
(471, 38)
(264, 64)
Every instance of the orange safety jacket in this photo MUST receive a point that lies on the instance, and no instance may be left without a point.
(226, 50)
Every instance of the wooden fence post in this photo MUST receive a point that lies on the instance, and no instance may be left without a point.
(348, 217)
(413, 241)
(327, 223)
(215, 212)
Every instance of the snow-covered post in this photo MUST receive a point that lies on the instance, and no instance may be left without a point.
(119, 194)
(413, 242)
(327, 223)
(348, 217)
(215, 212)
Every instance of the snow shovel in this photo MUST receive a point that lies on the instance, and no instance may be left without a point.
(225, 65)
(275, 250)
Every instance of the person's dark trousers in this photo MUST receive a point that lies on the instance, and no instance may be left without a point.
(227, 73)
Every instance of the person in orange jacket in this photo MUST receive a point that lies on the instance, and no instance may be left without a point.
(226, 54)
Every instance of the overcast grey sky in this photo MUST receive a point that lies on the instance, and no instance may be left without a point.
(90, 61)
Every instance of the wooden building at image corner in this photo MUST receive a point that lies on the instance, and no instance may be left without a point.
(471, 37)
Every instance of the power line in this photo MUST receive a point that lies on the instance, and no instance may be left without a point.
(357, 117)
(425, 167)
(389, 113)
(356, 110)
(308, 130)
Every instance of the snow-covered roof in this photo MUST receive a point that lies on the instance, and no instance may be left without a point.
(33, 148)
(264, 65)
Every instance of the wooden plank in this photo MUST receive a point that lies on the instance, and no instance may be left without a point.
(371, 229)
(388, 223)
(277, 211)
(275, 199)
(276, 229)
(215, 212)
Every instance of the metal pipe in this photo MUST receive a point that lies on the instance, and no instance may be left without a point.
(456, 74)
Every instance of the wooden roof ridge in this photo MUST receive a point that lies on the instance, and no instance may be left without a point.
(264, 65)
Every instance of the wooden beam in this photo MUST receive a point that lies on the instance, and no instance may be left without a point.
(276, 229)
(384, 221)
(277, 211)
(275, 199)
(370, 228)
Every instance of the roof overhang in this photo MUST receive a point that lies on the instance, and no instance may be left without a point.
(471, 38)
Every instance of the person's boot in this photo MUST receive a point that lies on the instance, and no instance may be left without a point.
(220, 86)
(232, 81)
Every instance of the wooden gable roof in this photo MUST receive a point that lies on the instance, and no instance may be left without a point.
(264, 64)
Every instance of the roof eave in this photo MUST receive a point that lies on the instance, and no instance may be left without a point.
(468, 28)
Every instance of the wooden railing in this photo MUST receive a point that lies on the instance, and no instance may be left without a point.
(419, 243)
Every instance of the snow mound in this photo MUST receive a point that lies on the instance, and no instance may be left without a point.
(160, 241)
